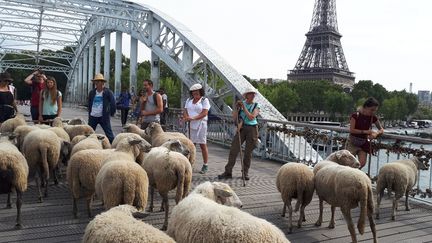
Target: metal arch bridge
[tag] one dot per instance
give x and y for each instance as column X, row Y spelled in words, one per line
column 73, row 28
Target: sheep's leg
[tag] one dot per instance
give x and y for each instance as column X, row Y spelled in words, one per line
column 165, row 203
column 18, row 206
column 75, row 208
column 8, row 202
column 151, row 199
column 332, row 220
column 162, row 208
column 284, row 210
column 89, row 202
column 290, row 210
column 38, row 186
column 394, row 208
column 319, row 221
column 372, row 223
column 302, row 216
column 407, row 207
column 379, row 196
column 46, row 186
column 347, row 215
column 55, row 177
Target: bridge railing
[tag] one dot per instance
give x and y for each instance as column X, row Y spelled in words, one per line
column 324, row 139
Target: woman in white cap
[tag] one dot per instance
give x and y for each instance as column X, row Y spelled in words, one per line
column 246, row 110
column 196, row 111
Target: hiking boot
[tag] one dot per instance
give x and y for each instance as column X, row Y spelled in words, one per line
column 204, row 169
column 225, row 175
column 246, row 177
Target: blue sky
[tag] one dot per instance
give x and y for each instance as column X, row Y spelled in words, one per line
column 387, row 41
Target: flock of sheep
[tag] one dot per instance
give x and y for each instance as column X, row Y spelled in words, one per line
column 122, row 173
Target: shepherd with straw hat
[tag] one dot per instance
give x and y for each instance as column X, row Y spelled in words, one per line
column 101, row 105
column 245, row 113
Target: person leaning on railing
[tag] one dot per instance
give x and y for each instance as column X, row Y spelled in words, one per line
column 361, row 132
column 245, row 114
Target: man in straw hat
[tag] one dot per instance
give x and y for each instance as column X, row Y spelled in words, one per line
column 101, row 105
column 246, row 110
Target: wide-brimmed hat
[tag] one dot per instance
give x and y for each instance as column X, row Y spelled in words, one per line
column 249, row 90
column 5, row 77
column 99, row 77
column 195, row 87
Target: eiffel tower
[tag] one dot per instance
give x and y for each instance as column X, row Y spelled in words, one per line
column 322, row 57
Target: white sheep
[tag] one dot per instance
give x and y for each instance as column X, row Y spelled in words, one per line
column 61, row 133
column 122, row 136
column 43, row 149
column 75, row 130
column 10, row 124
column 158, row 137
column 167, row 170
column 93, row 141
column 342, row 157
column 13, row 174
column 132, row 128
column 122, row 182
column 21, row 132
column 347, row 188
column 77, row 121
column 399, row 176
column 57, row 122
column 200, row 217
column 119, row 225
column 295, row 180
column 84, row 166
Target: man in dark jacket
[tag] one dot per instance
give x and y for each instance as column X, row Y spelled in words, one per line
column 101, row 105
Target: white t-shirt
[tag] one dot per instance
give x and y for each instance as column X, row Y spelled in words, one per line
column 165, row 98
column 195, row 109
column 97, row 106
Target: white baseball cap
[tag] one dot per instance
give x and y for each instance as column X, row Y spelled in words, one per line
column 195, row 87
column 249, row 90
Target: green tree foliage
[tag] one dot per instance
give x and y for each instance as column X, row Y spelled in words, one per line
column 423, row 112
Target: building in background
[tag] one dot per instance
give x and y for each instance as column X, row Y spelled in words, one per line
column 424, row 97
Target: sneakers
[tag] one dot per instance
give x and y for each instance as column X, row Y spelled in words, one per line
column 225, row 175
column 246, row 177
column 204, row 169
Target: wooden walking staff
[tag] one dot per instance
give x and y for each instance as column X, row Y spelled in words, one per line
column 240, row 147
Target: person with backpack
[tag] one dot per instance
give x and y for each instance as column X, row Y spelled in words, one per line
column 245, row 113
column 7, row 103
column 50, row 103
column 152, row 105
column 196, row 113
column 361, row 131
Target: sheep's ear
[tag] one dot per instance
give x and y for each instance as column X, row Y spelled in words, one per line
column 12, row 136
column 87, row 134
column 222, row 192
column 100, row 137
column 140, row 215
column 135, row 142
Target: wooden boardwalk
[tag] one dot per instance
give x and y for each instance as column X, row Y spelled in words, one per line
column 52, row 220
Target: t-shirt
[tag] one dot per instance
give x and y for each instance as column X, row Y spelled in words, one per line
column 250, row 108
column 165, row 98
column 48, row 107
column 97, row 106
column 35, row 96
column 196, row 109
column 363, row 123
column 6, row 109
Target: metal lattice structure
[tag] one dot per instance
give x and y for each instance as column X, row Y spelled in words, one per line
column 74, row 30
column 322, row 57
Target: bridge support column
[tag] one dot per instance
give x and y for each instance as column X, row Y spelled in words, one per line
column 107, row 58
column 74, row 86
column 84, row 75
column 98, row 55
column 187, row 62
column 91, row 66
column 133, row 65
column 118, row 64
column 155, row 70
column 80, row 80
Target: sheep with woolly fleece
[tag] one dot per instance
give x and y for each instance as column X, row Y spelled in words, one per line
column 21, row 132
column 93, row 141
column 13, row 174
column 57, row 122
column 10, row 124
column 43, row 149
column 122, row 181
column 84, row 166
column 132, row 128
column 158, row 137
column 119, row 225
column 75, row 130
column 399, row 176
column 295, row 180
column 342, row 157
column 200, row 217
column 167, row 170
column 122, row 136
column 347, row 188
column 61, row 133
column 77, row 121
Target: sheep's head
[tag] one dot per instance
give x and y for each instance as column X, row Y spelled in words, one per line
column 77, row 121
column 65, row 151
column 57, row 122
column 104, row 141
column 131, row 210
column 421, row 163
column 10, row 137
column 139, row 143
column 344, row 157
column 152, row 127
column 177, row 146
column 219, row 192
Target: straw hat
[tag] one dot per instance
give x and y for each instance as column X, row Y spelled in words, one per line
column 99, row 77
column 5, row 77
column 249, row 90
column 195, row 87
